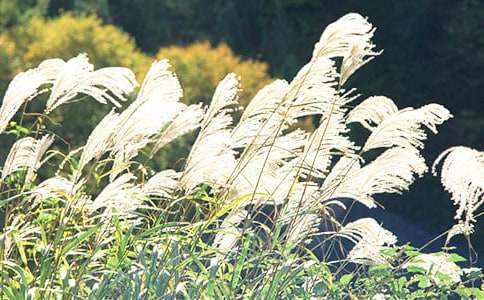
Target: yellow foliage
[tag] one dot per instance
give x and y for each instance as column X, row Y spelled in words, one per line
column 200, row 67
column 7, row 58
column 68, row 35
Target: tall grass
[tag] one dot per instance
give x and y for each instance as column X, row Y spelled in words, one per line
column 250, row 215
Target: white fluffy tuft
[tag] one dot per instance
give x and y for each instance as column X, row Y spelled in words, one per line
column 26, row 153
column 77, row 76
column 462, row 176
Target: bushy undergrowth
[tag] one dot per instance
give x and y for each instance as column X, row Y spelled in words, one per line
column 249, row 213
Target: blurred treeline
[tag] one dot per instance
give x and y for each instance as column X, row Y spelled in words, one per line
column 433, row 52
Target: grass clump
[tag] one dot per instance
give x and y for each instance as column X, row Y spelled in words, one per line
column 250, row 212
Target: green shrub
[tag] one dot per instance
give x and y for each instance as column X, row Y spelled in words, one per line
column 15, row 12
column 201, row 66
column 65, row 37
column 68, row 35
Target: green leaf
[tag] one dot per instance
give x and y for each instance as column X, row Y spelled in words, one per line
column 416, row 269
column 423, row 281
column 476, row 292
column 389, row 252
column 412, row 253
column 21, row 251
column 79, row 239
column 467, row 293
column 444, row 279
column 345, row 279
column 454, row 257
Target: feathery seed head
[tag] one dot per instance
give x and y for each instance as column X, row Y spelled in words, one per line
column 26, row 86
column 77, row 76
column 462, row 175
column 26, row 153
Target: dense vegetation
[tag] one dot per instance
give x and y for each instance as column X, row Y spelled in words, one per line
column 250, row 212
column 434, row 47
column 199, row 65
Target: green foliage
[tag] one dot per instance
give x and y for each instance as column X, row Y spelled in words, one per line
column 436, row 37
column 160, row 260
column 56, row 247
column 69, row 35
column 65, row 37
column 200, row 66
column 15, row 12
column 165, row 22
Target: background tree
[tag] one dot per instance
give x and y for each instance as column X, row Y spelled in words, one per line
column 200, row 67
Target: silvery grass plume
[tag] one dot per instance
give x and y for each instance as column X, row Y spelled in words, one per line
column 186, row 121
column 120, row 197
column 17, row 231
column 262, row 160
column 156, row 116
column 410, row 131
column 302, row 212
column 266, row 174
column 226, row 239
column 391, row 172
column 349, row 35
column 57, row 186
column 155, row 106
column 314, row 91
column 100, row 140
column 266, row 154
column 370, row 239
column 262, row 116
column 211, row 158
column 162, row 184
column 326, row 141
column 26, row 86
column 435, row 264
column 278, row 165
column 66, row 80
column 26, row 153
column 462, row 175
column 77, row 76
